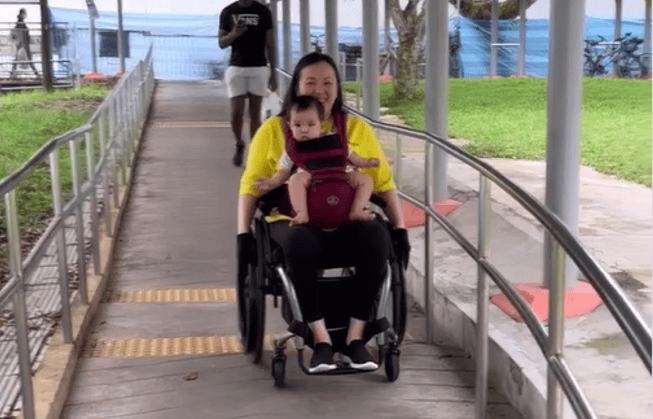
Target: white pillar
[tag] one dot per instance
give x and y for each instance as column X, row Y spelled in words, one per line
column 617, row 30
column 647, row 37
column 304, row 26
column 521, row 55
column 494, row 37
column 436, row 82
column 371, row 58
column 287, row 43
column 331, row 28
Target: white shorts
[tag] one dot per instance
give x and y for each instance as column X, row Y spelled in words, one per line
column 243, row 80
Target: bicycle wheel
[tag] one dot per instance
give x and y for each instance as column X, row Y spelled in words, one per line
column 645, row 63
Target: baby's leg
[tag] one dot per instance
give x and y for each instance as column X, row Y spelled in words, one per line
column 297, row 191
column 362, row 182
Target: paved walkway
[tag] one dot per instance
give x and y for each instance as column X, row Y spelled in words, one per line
column 178, row 234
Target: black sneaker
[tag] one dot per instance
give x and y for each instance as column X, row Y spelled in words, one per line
column 238, row 157
column 357, row 356
column 322, row 359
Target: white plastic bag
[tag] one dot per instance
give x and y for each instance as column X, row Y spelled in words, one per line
column 270, row 106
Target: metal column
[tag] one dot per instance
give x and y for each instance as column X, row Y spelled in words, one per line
column 617, row 30
column 46, row 63
column 287, row 45
column 371, row 58
column 331, row 28
column 92, row 42
column 386, row 23
column 564, row 118
column 436, row 83
column 435, row 104
column 647, row 36
column 305, row 26
column 274, row 9
column 121, row 47
column 521, row 54
column 562, row 161
column 494, row 37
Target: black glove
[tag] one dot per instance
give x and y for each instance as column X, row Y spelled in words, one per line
column 401, row 245
column 245, row 252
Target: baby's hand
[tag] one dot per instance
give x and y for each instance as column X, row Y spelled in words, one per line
column 264, row 185
column 373, row 162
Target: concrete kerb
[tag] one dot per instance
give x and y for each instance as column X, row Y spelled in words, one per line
column 517, row 365
column 54, row 376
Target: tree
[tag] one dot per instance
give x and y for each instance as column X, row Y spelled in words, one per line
column 408, row 22
column 475, row 9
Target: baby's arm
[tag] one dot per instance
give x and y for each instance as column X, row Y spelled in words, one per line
column 265, row 185
column 359, row 161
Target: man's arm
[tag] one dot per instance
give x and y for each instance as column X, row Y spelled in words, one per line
column 225, row 38
column 270, row 50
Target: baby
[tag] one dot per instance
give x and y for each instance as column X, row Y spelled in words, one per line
column 306, row 117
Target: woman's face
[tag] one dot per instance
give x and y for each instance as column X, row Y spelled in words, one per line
column 319, row 80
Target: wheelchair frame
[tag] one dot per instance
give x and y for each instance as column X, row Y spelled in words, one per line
column 267, row 275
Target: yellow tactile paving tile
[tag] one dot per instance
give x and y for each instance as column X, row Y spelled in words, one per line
column 221, row 295
column 174, row 346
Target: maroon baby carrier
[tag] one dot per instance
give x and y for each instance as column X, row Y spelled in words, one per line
column 330, row 196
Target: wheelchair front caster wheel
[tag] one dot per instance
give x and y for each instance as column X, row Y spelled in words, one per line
column 392, row 364
column 279, row 370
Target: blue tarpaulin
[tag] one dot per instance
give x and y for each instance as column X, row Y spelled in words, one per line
column 185, row 46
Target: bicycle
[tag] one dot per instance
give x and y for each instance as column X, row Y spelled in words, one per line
column 315, row 42
column 620, row 53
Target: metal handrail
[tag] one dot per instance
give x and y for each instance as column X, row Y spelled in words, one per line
column 119, row 122
column 606, row 287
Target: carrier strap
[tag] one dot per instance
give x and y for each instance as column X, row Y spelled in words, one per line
column 323, row 157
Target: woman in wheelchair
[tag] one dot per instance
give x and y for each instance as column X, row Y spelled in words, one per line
column 364, row 244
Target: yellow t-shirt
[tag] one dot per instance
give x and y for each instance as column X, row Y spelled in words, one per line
column 268, row 144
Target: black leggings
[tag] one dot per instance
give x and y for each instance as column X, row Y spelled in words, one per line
column 362, row 244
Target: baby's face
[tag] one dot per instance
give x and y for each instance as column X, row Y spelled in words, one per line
column 305, row 125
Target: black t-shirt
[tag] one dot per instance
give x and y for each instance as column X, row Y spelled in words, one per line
column 248, row 50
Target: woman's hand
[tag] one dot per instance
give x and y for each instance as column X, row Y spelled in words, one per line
column 264, row 185
column 401, row 245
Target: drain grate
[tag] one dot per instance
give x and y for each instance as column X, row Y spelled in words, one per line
column 192, row 124
column 222, row 295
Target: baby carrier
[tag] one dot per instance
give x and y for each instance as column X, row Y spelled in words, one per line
column 329, row 196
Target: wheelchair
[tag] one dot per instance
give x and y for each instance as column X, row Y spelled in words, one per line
column 266, row 275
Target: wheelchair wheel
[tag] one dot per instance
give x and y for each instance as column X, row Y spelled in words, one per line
column 399, row 305
column 279, row 370
column 256, row 294
column 392, row 363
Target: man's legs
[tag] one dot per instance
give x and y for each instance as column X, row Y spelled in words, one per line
column 254, row 113
column 237, row 114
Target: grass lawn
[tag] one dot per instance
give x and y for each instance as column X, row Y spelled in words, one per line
column 29, row 120
column 507, row 118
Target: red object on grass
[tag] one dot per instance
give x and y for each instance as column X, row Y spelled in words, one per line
column 579, row 300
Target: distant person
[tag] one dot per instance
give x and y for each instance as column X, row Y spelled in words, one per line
column 20, row 36
column 247, row 26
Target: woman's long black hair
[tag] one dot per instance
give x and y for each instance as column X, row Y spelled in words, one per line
column 307, row 60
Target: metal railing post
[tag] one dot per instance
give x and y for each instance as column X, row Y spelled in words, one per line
column 20, row 307
column 483, row 297
column 398, row 163
column 556, row 326
column 66, row 320
column 79, row 214
column 428, row 243
column 105, row 176
column 90, row 172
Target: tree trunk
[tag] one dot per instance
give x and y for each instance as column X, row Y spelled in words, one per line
column 408, row 23
column 475, row 9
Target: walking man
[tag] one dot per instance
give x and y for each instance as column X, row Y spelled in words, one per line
column 20, row 36
column 247, row 26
